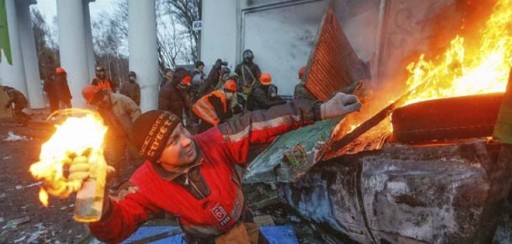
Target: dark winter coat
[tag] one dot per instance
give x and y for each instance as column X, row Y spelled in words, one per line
column 62, row 88
column 174, row 98
column 16, row 97
column 131, row 89
column 262, row 98
column 245, row 77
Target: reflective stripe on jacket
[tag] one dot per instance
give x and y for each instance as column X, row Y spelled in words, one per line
column 222, row 148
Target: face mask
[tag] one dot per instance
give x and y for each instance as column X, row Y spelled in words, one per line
column 229, row 95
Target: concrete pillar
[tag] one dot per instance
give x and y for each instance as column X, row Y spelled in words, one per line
column 143, row 50
column 13, row 74
column 91, row 59
column 28, row 50
column 73, row 48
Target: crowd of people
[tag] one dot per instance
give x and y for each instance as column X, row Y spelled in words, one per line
column 194, row 174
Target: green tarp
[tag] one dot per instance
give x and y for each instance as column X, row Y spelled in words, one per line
column 5, row 45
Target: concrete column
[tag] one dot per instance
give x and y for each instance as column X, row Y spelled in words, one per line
column 28, row 50
column 13, row 74
column 143, row 50
column 91, row 59
column 73, row 48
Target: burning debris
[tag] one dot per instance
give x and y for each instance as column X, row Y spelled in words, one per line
column 76, row 139
column 434, row 175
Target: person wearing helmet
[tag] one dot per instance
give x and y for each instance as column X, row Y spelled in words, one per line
column 174, row 95
column 248, row 73
column 118, row 112
column 102, row 81
column 131, row 88
column 62, row 88
column 264, row 95
column 215, row 107
column 301, row 92
column 195, row 177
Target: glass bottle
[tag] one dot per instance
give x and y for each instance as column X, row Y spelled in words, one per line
column 89, row 199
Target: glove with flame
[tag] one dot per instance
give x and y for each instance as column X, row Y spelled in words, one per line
column 339, row 105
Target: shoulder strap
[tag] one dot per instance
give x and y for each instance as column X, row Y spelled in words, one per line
column 250, row 72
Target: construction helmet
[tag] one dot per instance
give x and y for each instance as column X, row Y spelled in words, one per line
column 186, row 80
column 89, row 93
column 265, row 79
column 60, row 71
column 230, row 85
column 302, row 71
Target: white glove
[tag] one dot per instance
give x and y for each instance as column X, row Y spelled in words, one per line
column 339, row 105
column 80, row 167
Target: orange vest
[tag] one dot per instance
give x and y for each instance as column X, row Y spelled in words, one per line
column 205, row 110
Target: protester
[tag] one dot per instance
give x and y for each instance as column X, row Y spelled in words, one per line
column 174, row 95
column 195, row 177
column 62, row 88
column 248, row 72
column 51, row 91
column 264, row 95
column 20, row 103
column 118, row 112
column 131, row 88
column 102, row 81
column 198, row 81
column 300, row 91
column 168, row 77
column 215, row 107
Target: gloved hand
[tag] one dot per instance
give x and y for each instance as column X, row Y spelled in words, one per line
column 339, row 105
column 80, row 167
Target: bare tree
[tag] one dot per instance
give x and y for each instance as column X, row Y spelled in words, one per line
column 47, row 53
column 185, row 12
column 108, row 39
column 171, row 47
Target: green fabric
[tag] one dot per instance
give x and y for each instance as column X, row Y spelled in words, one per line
column 292, row 154
column 5, row 45
column 503, row 127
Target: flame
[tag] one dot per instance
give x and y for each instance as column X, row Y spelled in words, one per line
column 466, row 71
column 74, row 136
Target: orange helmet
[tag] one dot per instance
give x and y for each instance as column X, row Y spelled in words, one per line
column 89, row 92
column 265, row 79
column 302, row 71
column 60, row 70
column 186, row 80
column 230, row 85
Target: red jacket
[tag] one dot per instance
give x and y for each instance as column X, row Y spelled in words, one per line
column 221, row 148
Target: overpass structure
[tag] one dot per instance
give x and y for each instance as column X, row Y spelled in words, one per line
column 18, row 64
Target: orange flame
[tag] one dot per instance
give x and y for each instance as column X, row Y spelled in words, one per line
column 74, row 136
column 462, row 71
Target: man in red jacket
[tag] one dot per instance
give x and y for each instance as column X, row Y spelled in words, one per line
column 195, row 177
